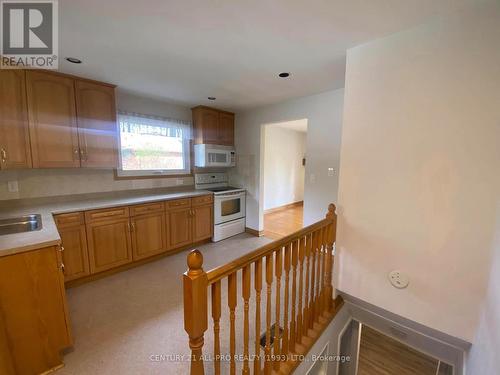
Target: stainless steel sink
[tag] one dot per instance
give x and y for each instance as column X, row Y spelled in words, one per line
column 21, row 224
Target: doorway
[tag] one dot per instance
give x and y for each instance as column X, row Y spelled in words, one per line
column 284, row 163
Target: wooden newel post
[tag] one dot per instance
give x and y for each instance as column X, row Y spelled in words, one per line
column 195, row 308
column 332, row 230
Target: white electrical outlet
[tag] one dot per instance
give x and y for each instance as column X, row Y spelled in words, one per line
column 399, row 279
column 12, row 186
column 179, row 181
column 312, row 178
column 331, row 172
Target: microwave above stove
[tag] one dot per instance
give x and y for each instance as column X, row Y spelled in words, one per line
column 206, row 155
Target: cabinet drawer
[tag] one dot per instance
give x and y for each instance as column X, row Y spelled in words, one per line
column 179, row 203
column 110, row 213
column 197, row 201
column 146, row 208
column 69, row 220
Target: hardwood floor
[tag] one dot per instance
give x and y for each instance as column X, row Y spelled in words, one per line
column 382, row 355
column 282, row 222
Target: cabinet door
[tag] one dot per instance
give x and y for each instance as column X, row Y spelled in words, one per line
column 203, row 222
column 109, row 244
column 14, row 134
column 179, row 227
column 226, row 128
column 52, row 120
column 148, row 235
column 33, row 309
column 75, row 255
column 97, row 129
column 206, row 124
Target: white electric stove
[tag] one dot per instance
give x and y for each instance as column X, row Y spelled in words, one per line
column 229, row 204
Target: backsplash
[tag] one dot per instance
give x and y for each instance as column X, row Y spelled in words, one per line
column 37, row 183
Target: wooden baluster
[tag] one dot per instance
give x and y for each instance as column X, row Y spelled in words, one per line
column 288, row 251
column 216, row 312
column 305, row 325
column 258, row 289
column 231, row 301
column 293, row 327
column 317, row 311
column 278, row 270
column 245, row 285
column 324, row 234
column 302, row 249
column 269, row 281
column 329, row 264
column 195, row 308
column 312, row 310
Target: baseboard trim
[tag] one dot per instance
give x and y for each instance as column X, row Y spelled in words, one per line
column 284, row 207
column 254, row 232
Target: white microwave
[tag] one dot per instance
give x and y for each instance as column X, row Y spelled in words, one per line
column 206, row 155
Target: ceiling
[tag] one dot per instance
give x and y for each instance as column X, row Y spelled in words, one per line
column 184, row 51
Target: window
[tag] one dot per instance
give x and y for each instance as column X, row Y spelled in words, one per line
column 151, row 146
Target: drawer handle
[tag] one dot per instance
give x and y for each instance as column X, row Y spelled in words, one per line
column 63, row 269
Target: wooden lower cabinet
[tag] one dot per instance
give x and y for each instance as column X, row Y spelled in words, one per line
column 99, row 240
column 109, row 244
column 33, row 312
column 202, row 225
column 75, row 253
column 148, row 235
column 179, row 227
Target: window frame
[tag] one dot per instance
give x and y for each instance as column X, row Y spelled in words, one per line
column 155, row 173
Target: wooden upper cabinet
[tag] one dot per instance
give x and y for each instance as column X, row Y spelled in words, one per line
column 213, row 126
column 205, row 124
column 97, row 129
column 52, row 120
column 14, row 134
column 226, row 128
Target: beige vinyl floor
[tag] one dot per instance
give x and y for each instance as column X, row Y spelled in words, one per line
column 124, row 323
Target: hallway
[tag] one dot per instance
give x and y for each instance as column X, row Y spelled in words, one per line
column 283, row 221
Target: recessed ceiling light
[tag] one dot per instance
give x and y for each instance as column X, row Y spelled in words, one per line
column 284, row 75
column 73, row 60
column 211, row 98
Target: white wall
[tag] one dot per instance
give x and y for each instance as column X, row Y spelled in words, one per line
column 283, row 170
column 50, row 182
column 324, row 118
column 420, row 169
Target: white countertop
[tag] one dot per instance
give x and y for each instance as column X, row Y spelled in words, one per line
column 47, row 207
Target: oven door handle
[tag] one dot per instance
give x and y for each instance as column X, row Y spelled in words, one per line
column 231, row 195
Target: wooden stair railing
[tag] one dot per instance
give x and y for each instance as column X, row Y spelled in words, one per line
column 305, row 258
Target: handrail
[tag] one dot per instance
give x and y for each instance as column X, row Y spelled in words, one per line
column 218, row 273
column 305, row 261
